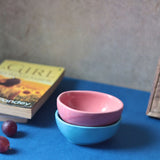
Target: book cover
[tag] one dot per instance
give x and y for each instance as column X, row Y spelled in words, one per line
column 24, row 87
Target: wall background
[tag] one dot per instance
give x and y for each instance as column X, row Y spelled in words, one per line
column 108, row 41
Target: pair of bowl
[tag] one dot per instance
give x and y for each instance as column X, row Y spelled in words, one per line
column 87, row 117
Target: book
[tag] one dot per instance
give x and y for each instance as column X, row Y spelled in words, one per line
column 24, row 87
column 4, row 117
column 153, row 109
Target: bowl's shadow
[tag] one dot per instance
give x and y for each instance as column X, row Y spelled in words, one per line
column 128, row 136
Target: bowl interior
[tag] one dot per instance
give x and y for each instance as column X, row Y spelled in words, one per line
column 90, row 101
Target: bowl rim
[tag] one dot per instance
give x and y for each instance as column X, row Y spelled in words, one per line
column 89, row 91
column 57, row 117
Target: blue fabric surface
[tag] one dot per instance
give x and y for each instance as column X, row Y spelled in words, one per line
column 137, row 138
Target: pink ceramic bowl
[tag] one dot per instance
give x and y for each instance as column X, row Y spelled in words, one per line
column 89, row 108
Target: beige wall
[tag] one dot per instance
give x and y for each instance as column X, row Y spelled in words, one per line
column 108, row 41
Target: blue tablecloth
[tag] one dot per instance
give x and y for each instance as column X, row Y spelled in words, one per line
column 137, row 138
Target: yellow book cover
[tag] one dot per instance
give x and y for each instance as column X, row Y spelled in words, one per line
column 24, row 87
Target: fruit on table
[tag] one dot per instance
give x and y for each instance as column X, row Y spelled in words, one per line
column 9, row 127
column 4, row 144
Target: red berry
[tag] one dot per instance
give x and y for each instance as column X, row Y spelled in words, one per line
column 9, row 128
column 4, row 144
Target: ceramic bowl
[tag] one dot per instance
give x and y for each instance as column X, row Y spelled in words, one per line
column 89, row 108
column 83, row 135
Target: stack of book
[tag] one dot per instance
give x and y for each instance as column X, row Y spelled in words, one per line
column 24, row 87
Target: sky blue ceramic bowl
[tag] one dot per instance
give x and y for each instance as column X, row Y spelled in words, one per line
column 83, row 135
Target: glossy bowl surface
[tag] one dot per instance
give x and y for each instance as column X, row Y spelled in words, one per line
column 83, row 135
column 89, row 108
